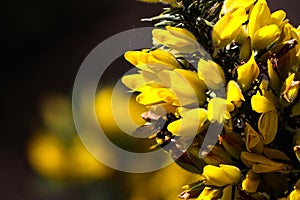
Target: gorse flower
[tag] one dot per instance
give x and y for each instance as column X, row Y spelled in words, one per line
column 175, row 38
column 231, row 64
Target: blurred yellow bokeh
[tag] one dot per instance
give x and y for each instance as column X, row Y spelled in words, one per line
column 56, row 153
column 116, row 113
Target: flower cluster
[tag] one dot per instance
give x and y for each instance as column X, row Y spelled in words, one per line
column 233, row 64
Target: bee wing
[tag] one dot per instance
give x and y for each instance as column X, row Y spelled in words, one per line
column 145, row 131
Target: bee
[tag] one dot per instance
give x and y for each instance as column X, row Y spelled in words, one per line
column 156, row 128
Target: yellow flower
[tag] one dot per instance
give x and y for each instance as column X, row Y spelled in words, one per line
column 175, row 38
column 230, row 5
column 247, row 73
column 234, row 93
column 185, row 84
column 253, row 140
column 211, row 73
column 268, row 121
column 152, row 61
column 160, row 81
column 227, row 28
column 263, row 104
column 260, row 27
column 191, row 122
column 222, row 175
column 260, row 163
column 218, row 110
column 251, row 182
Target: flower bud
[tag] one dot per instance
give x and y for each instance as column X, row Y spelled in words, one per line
column 221, row 176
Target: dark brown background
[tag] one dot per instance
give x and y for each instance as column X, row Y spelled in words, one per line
column 43, row 43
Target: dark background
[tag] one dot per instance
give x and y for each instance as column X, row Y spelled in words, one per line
column 43, row 43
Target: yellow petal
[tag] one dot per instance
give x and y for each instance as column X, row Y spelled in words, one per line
column 278, row 16
column 190, row 123
column 175, row 38
column 185, row 84
column 234, row 93
column 232, row 172
column 211, row 73
column 295, row 195
column 149, row 95
column 260, row 16
column 230, row 5
column 267, row 125
column 165, row 57
column 221, row 176
column 218, row 110
column 247, row 73
column 152, row 61
column 181, row 33
column 245, row 52
column 227, row 28
column 133, row 81
column 253, row 140
column 265, row 36
column 216, row 176
column 262, row 104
